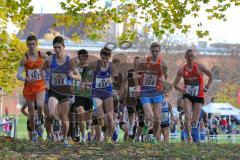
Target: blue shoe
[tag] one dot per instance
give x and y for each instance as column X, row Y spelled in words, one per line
column 65, row 143
column 115, row 136
column 34, row 137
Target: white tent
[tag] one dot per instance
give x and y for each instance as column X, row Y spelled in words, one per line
column 221, row 109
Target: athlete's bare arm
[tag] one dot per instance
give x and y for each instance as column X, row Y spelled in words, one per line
column 74, row 74
column 43, row 55
column 181, row 120
column 205, row 119
column 47, row 62
column 165, row 70
column 21, row 69
column 93, row 65
column 114, row 70
column 171, row 113
column 45, row 66
column 208, row 73
column 177, row 80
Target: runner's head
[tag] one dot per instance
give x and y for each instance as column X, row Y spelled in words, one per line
column 83, row 56
column 116, row 61
column 189, row 55
column 49, row 53
column 136, row 61
column 32, row 43
column 105, row 55
column 58, row 44
column 155, row 49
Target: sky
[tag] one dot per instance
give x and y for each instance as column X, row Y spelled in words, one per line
column 227, row 32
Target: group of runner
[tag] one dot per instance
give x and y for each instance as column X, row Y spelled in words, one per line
column 102, row 94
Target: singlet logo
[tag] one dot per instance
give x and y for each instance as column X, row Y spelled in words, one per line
column 34, row 74
column 59, row 79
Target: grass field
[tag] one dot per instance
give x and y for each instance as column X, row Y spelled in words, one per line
column 22, row 149
column 22, row 133
column 22, row 127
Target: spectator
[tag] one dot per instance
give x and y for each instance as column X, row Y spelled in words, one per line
column 224, row 124
column 229, row 128
column 214, row 132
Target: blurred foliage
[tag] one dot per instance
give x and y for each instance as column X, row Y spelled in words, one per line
column 160, row 16
column 12, row 12
column 228, row 94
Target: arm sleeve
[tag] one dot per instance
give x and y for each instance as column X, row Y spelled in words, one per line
column 19, row 73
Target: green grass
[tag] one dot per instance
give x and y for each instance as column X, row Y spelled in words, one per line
column 22, row 133
column 23, row 149
column 22, row 127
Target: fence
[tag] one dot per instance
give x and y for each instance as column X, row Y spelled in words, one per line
column 9, row 128
column 221, row 138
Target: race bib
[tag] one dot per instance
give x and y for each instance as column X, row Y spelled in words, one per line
column 115, row 93
column 59, row 79
column 77, row 84
column 192, row 90
column 102, row 82
column 34, row 74
column 165, row 117
column 80, row 70
column 133, row 92
column 149, row 80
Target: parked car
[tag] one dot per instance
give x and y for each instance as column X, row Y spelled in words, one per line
column 235, row 118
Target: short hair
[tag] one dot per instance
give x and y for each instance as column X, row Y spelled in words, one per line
column 155, row 44
column 49, row 53
column 106, row 52
column 188, row 51
column 116, row 60
column 31, row 38
column 137, row 57
column 83, row 52
column 58, row 39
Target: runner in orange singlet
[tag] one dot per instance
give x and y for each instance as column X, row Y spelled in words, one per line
column 193, row 91
column 34, row 88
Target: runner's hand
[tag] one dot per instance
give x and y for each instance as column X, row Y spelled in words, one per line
column 205, row 89
column 47, row 85
column 70, row 74
column 183, row 91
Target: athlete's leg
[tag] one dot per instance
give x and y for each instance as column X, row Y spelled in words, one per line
column 166, row 134
column 32, row 116
column 80, row 120
column 147, row 107
column 64, row 107
column 187, row 107
column 40, row 103
column 157, row 108
column 52, row 112
column 108, row 105
column 196, row 112
column 97, row 117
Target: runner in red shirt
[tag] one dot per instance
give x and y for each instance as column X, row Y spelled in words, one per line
column 193, row 91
